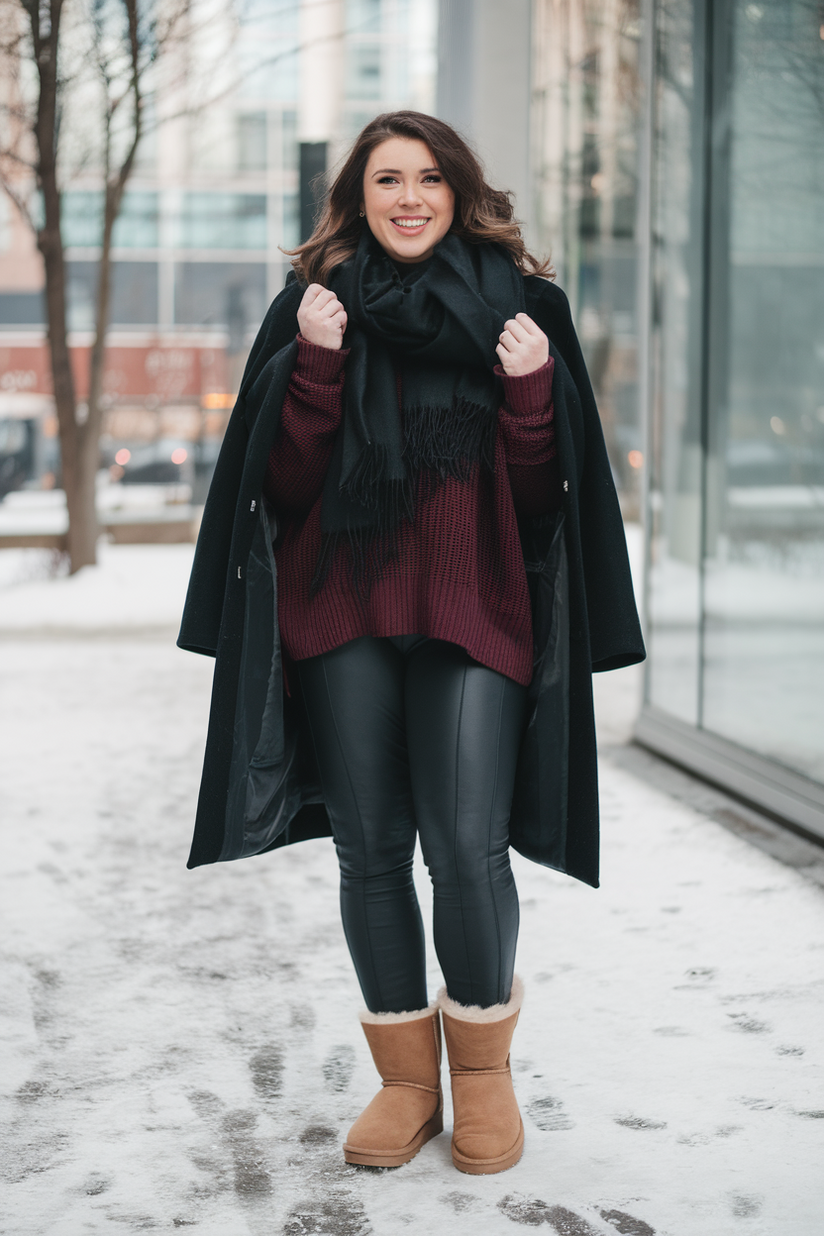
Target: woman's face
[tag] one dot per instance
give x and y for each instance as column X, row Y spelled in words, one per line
column 408, row 205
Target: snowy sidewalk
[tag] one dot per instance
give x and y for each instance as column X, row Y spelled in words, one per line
column 181, row 1049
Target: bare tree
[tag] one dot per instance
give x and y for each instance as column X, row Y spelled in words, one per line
column 75, row 80
column 104, row 51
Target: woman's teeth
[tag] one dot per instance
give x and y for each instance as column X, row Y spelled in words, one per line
column 409, row 223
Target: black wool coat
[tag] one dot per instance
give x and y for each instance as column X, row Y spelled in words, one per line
column 260, row 789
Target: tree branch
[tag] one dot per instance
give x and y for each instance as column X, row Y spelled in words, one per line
column 18, row 201
column 14, row 157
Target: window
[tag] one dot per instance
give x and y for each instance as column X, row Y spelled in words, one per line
column 364, row 65
column 363, row 16
column 222, row 221
column 251, row 142
column 586, row 122
column 226, row 294
column 136, row 226
column 134, row 293
column 736, row 606
column 763, row 672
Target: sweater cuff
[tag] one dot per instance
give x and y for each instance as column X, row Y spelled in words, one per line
column 529, row 393
column 323, row 366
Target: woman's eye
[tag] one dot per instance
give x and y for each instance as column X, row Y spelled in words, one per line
column 393, row 180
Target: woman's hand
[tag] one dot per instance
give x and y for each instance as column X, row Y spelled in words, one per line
column 321, row 317
column 523, row 346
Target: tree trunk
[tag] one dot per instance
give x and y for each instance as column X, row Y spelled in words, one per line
column 78, row 477
column 82, row 507
column 81, row 548
column 79, row 441
column 90, row 430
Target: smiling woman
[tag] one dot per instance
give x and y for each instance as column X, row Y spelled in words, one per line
column 435, row 552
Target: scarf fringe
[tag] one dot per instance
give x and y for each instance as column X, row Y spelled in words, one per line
column 372, row 545
column 439, row 443
column 370, row 485
column 449, row 441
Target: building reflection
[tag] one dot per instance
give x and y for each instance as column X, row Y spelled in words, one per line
column 736, row 480
column 587, row 111
column 677, row 176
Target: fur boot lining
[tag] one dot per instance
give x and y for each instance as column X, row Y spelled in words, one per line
column 473, row 1012
column 394, row 1019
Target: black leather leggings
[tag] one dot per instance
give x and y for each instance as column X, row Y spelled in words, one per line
column 414, row 737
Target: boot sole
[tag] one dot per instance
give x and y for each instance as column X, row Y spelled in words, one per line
column 488, row 1167
column 395, row 1158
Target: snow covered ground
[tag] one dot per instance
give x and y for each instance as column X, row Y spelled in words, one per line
column 137, row 590
column 181, row 1049
column 39, row 510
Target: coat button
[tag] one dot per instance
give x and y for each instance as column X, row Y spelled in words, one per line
column 566, row 487
column 240, row 573
column 254, row 505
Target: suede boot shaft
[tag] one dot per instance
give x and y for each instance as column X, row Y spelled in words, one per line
column 488, row 1133
column 408, row 1109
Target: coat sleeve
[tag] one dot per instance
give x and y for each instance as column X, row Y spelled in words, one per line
column 614, row 628
column 203, row 610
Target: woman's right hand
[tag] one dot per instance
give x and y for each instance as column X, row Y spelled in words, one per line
column 321, row 317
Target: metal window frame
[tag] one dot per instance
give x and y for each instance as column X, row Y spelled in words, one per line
column 762, row 783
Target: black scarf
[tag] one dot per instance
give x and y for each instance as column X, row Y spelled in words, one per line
column 438, row 323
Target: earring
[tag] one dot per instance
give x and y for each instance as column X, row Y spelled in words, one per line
column 362, row 214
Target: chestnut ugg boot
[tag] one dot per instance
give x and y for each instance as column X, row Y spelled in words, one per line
column 488, row 1133
column 408, row 1110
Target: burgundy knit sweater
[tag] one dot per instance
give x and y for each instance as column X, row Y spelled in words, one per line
column 449, row 580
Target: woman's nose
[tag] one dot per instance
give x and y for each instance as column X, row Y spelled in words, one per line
column 410, row 195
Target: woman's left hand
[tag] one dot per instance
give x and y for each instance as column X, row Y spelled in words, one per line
column 523, row 346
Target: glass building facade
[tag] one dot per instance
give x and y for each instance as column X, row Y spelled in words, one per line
column 678, row 179
column 586, row 148
column 735, row 400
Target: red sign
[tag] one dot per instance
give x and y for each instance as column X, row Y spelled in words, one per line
column 162, row 372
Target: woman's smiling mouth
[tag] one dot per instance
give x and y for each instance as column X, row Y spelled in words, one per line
column 411, row 225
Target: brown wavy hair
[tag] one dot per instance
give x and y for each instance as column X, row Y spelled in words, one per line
column 482, row 214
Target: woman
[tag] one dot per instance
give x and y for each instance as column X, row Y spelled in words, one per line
column 436, row 564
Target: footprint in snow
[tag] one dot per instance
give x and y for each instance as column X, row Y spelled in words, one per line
column 640, row 1122
column 267, row 1071
column 337, row 1216
column 548, row 1114
column 532, row 1212
column 338, row 1068
column 626, row 1224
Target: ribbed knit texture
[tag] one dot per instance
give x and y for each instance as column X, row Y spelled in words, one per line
column 450, row 580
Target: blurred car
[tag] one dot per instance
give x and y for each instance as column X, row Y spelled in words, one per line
column 168, row 461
